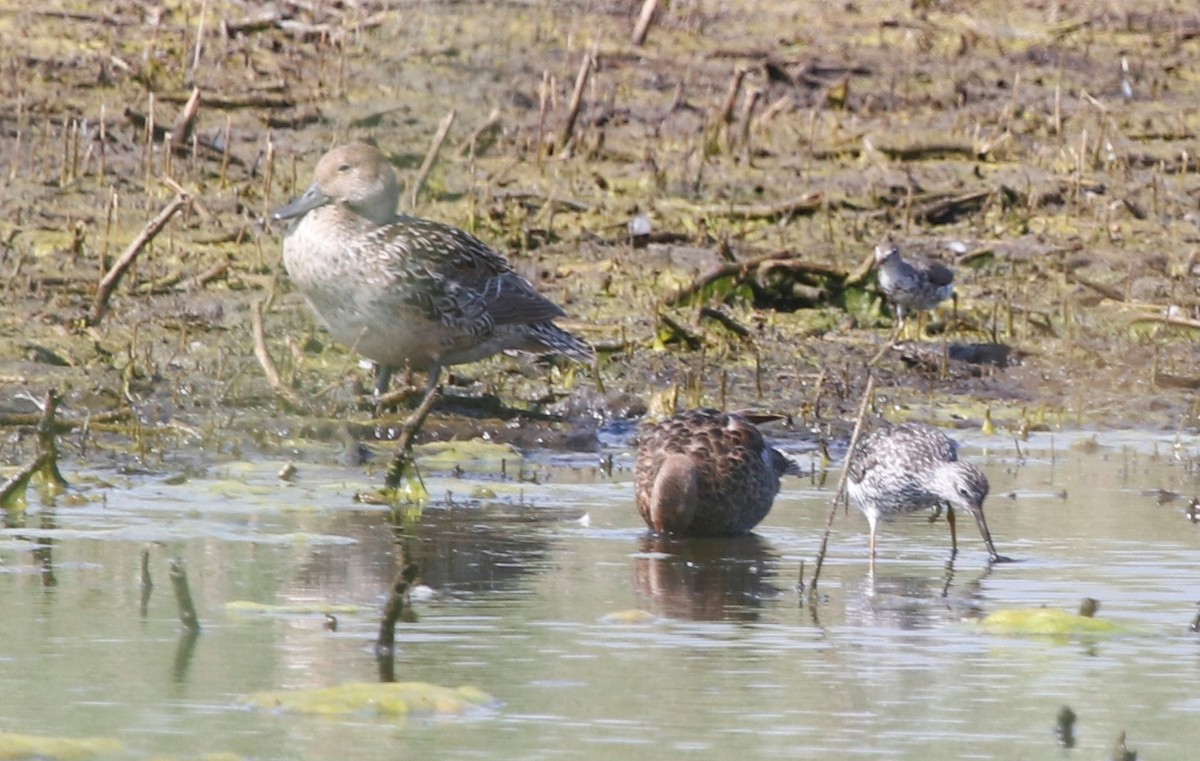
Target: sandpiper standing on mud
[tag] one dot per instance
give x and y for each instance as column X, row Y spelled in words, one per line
column 706, row 473
column 913, row 284
column 913, row 466
column 404, row 291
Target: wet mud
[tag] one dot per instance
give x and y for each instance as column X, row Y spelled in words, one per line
column 705, row 216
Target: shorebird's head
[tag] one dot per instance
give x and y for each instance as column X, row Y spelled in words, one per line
column 356, row 176
column 886, row 251
column 962, row 485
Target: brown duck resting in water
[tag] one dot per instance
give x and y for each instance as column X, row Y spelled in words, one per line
column 706, row 473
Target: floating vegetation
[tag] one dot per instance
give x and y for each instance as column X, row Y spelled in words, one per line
column 248, row 607
column 630, row 617
column 17, row 746
column 1046, row 622
column 395, row 699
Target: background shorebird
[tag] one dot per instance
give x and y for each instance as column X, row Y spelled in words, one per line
column 911, row 284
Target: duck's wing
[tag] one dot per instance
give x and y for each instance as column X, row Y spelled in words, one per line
column 482, row 281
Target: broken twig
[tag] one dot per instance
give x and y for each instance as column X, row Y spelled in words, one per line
column 431, row 157
column 113, row 277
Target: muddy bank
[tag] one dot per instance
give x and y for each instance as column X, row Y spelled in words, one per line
column 1048, row 154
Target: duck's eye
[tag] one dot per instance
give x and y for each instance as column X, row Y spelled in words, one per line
column 344, row 168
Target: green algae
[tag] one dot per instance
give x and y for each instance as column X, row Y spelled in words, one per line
column 632, row 617
column 249, row 607
column 17, row 746
column 1047, row 622
column 386, row 700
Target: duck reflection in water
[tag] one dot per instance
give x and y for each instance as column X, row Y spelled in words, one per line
column 706, row 579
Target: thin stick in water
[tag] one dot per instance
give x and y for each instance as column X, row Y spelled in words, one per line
column 841, row 484
column 411, row 428
column 183, row 596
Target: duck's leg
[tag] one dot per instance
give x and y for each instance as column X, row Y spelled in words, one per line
column 383, row 379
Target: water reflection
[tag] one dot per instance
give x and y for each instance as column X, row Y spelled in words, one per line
column 908, row 602
column 42, row 549
column 458, row 550
column 706, row 579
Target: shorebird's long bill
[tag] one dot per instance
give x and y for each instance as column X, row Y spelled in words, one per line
column 312, row 198
column 987, row 535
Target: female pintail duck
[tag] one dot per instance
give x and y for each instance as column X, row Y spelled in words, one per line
column 404, row 291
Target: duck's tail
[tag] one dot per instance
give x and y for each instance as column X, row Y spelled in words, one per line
column 557, row 340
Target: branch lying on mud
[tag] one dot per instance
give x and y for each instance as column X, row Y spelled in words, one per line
column 643, row 23
column 113, row 277
column 1107, row 292
column 752, row 267
column 1177, row 322
column 46, row 461
column 949, row 210
column 725, row 320
column 60, row 425
column 289, row 397
column 809, row 203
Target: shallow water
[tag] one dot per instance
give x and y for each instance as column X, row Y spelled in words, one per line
column 525, row 588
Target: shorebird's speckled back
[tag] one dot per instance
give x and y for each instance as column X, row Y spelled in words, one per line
column 733, row 473
column 913, row 466
column 912, row 283
column 405, row 291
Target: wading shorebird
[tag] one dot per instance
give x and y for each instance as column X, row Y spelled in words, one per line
column 404, row 291
column 706, row 473
column 903, row 468
column 911, row 284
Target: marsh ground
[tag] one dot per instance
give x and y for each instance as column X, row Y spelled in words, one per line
column 1048, row 149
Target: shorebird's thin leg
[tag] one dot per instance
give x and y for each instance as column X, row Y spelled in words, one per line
column 937, row 513
column 873, row 523
column 953, row 531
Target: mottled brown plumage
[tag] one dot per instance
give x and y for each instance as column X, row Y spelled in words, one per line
column 706, row 473
column 405, row 291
